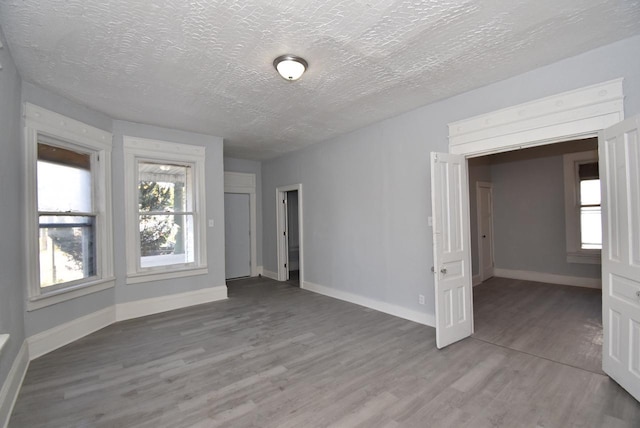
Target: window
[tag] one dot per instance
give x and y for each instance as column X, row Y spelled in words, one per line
column 583, row 218
column 165, row 210
column 66, row 218
column 68, row 208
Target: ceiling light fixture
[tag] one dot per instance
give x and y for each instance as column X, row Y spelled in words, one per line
column 290, row 67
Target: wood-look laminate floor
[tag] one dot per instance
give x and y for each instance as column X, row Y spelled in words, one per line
column 557, row 322
column 274, row 355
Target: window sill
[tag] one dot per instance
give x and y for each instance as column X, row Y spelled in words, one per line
column 137, row 278
column 4, row 338
column 62, row 295
column 584, row 258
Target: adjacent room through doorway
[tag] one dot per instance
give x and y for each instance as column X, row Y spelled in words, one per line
column 536, row 237
column 293, row 238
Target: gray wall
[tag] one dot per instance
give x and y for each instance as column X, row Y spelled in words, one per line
column 374, row 240
column 529, row 217
column 11, row 237
column 241, row 165
column 479, row 170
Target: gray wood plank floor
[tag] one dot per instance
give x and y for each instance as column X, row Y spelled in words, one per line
column 557, row 322
column 274, row 355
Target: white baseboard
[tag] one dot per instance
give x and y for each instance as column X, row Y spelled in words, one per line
column 260, row 270
column 12, row 384
column 550, row 278
column 269, row 274
column 63, row 334
column 476, row 280
column 387, row 308
column 154, row 305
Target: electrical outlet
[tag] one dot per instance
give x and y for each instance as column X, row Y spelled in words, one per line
column 421, row 299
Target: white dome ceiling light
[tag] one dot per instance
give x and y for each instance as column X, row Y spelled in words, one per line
column 290, row 67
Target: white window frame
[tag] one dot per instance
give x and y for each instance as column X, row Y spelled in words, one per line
column 575, row 252
column 73, row 135
column 146, row 150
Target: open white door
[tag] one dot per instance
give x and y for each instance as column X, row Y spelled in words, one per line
column 451, row 248
column 620, row 180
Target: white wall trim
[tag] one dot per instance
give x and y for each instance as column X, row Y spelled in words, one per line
column 12, row 384
column 58, row 125
column 260, row 270
column 245, row 183
column 578, row 113
column 154, row 305
column 387, row 308
column 476, row 280
column 270, row 274
column 550, row 278
column 63, row 334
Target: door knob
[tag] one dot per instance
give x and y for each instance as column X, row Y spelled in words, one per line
column 443, row 271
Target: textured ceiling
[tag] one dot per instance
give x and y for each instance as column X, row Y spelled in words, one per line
column 206, row 65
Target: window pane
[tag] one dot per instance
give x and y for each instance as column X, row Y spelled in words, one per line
column 166, row 240
column 64, row 180
column 590, row 192
column 164, row 187
column 67, row 249
column 591, row 228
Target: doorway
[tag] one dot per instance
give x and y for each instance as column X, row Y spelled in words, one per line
column 539, row 301
column 293, row 242
column 577, row 114
column 289, row 230
column 237, row 232
column 240, row 192
column 484, row 204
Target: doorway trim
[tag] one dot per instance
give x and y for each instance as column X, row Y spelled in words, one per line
column 280, row 229
column 244, row 182
column 572, row 115
column 481, row 255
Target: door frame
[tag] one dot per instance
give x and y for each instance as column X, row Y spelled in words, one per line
column 573, row 115
column 488, row 185
column 245, row 183
column 281, row 215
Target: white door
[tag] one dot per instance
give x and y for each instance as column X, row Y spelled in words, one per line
column 451, row 248
column 485, row 229
column 237, row 232
column 620, row 182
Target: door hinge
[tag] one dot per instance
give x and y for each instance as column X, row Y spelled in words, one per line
column 285, row 265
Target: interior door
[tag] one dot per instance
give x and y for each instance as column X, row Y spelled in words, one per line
column 237, row 231
column 620, row 183
column 485, row 228
column 451, row 248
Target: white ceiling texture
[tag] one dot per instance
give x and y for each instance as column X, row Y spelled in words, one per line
column 206, row 65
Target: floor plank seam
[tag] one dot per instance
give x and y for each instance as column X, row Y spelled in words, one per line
column 538, row 356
